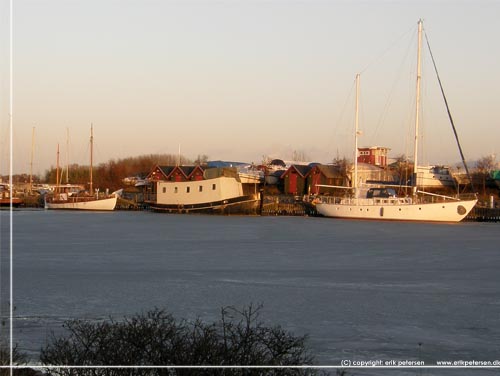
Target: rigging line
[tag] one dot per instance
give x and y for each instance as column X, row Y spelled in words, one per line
column 342, row 113
column 390, row 95
column 391, row 46
column 449, row 114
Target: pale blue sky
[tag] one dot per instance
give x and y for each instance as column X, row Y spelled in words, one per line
column 237, row 80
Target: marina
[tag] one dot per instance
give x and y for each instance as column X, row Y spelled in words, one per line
column 313, row 162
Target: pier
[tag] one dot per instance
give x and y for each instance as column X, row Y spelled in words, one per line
column 126, row 204
column 286, row 205
column 480, row 214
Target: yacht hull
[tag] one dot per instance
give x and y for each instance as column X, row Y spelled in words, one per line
column 105, row 204
column 426, row 212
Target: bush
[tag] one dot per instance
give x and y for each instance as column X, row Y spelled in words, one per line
column 157, row 338
column 18, row 358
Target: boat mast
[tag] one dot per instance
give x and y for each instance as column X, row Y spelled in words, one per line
column 31, row 161
column 57, row 170
column 91, row 156
column 67, row 155
column 356, row 134
column 417, row 109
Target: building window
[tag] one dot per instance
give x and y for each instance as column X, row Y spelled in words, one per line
column 164, row 189
column 200, row 188
column 188, row 189
column 176, row 189
column 214, row 186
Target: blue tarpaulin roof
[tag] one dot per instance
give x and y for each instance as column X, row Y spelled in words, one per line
column 220, row 164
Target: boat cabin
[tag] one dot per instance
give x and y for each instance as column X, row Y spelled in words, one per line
column 380, row 193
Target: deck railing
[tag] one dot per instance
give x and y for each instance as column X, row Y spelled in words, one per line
column 420, row 199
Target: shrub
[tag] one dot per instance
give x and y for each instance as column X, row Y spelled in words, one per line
column 156, row 338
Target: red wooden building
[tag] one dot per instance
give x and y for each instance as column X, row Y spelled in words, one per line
column 176, row 173
column 375, row 155
column 295, row 179
column 324, row 175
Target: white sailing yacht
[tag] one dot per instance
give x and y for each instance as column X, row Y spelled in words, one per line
column 94, row 201
column 382, row 203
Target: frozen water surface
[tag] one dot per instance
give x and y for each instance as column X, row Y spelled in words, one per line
column 361, row 290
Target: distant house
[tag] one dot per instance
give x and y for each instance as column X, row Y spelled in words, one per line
column 338, row 176
column 295, row 179
column 369, row 173
column 176, row 173
column 160, row 173
column 375, row 155
column 194, row 173
column 324, row 175
column 186, row 173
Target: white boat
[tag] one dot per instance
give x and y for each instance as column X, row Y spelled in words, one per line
column 64, row 200
column 220, row 192
column 381, row 203
column 250, row 175
column 435, row 177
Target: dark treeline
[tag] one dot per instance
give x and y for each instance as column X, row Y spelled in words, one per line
column 110, row 174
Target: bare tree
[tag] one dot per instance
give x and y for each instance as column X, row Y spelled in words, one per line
column 403, row 170
column 201, row 159
column 484, row 166
column 238, row 338
column 18, row 358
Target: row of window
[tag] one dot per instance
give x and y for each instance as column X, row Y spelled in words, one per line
column 188, row 189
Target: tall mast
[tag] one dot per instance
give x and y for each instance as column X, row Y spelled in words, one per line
column 356, row 134
column 57, row 170
column 31, row 161
column 67, row 155
column 91, row 156
column 417, row 108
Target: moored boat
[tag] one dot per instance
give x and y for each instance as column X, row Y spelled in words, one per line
column 382, row 203
column 80, row 202
column 62, row 199
column 221, row 191
column 435, row 177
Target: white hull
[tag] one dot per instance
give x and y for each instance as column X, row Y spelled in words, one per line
column 397, row 210
column 212, row 194
column 434, row 177
column 250, row 178
column 105, row 204
column 198, row 192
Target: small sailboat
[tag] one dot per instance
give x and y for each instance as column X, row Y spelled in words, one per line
column 64, row 200
column 383, row 203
